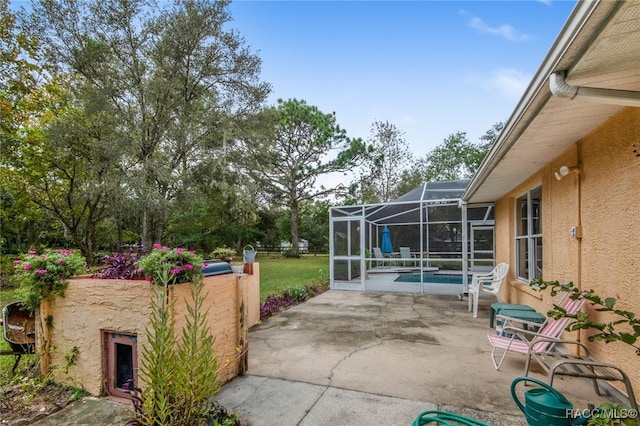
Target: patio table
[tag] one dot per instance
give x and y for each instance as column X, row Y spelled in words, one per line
column 496, row 308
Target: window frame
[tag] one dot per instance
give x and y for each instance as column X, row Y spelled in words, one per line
column 533, row 239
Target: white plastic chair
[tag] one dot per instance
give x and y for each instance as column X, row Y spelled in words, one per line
column 489, row 282
column 378, row 255
column 405, row 254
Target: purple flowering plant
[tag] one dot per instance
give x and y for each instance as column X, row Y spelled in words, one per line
column 44, row 275
column 180, row 264
column 121, row 266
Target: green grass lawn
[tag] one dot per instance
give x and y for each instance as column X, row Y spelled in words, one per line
column 280, row 274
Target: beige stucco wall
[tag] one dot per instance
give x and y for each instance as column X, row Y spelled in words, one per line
column 91, row 307
column 604, row 202
column 253, row 289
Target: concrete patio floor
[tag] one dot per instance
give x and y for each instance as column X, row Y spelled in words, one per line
column 356, row 359
column 353, row 358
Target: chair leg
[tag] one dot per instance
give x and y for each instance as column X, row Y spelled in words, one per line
column 595, row 381
column 475, row 304
column 527, row 365
column 497, row 365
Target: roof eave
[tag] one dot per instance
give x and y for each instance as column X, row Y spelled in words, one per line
column 565, row 52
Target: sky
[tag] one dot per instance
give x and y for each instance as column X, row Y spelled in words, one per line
column 431, row 68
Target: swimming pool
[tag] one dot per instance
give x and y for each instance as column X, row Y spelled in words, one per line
column 431, row 278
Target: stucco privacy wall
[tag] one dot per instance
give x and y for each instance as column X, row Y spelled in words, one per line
column 604, row 202
column 91, row 307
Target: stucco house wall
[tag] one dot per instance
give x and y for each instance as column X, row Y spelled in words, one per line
column 603, row 202
column 91, row 307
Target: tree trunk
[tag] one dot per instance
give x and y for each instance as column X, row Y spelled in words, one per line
column 158, row 227
column 120, row 243
column 295, row 239
column 146, row 240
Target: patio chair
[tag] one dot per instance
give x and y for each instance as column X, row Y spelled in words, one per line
column 405, row 253
column 377, row 253
column 560, row 363
column 535, row 344
column 486, row 282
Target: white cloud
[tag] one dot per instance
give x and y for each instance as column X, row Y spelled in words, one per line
column 407, row 119
column 504, row 30
column 510, row 82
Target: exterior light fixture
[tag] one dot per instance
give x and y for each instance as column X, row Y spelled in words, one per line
column 565, row 170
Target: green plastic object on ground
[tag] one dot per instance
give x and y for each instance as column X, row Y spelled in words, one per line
column 543, row 406
column 445, row 418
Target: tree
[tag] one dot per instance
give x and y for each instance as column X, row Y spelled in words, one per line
column 486, row 142
column 381, row 174
column 74, row 165
column 23, row 88
column 314, row 224
column 287, row 161
column 174, row 76
column 450, row 160
column 456, row 158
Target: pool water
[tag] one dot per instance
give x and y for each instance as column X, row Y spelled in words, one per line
column 431, row 278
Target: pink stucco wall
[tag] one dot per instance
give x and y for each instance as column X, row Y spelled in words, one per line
column 91, row 306
column 603, row 201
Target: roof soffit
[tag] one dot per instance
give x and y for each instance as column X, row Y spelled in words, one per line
column 547, row 125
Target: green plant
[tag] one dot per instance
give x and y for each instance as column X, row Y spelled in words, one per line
column 196, row 375
column 182, row 265
column 224, row 253
column 217, row 415
column 76, row 393
column 609, row 414
column 7, row 271
column 291, row 254
column 71, row 357
column 624, row 328
column 180, row 374
column 298, row 294
column 275, row 303
column 43, row 276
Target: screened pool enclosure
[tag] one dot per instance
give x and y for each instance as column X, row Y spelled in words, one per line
column 426, row 241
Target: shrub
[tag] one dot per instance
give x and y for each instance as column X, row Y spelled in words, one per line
column 7, row 270
column 121, row 266
column 42, row 276
column 180, row 373
column 291, row 254
column 299, row 294
column 316, row 289
column 183, row 265
column 224, row 253
column 275, row 303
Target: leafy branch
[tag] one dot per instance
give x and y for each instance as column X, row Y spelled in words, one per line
column 624, row 328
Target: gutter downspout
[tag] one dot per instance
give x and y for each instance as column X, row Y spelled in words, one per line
column 559, row 87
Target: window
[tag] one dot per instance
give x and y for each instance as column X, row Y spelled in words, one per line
column 121, row 362
column 529, row 235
